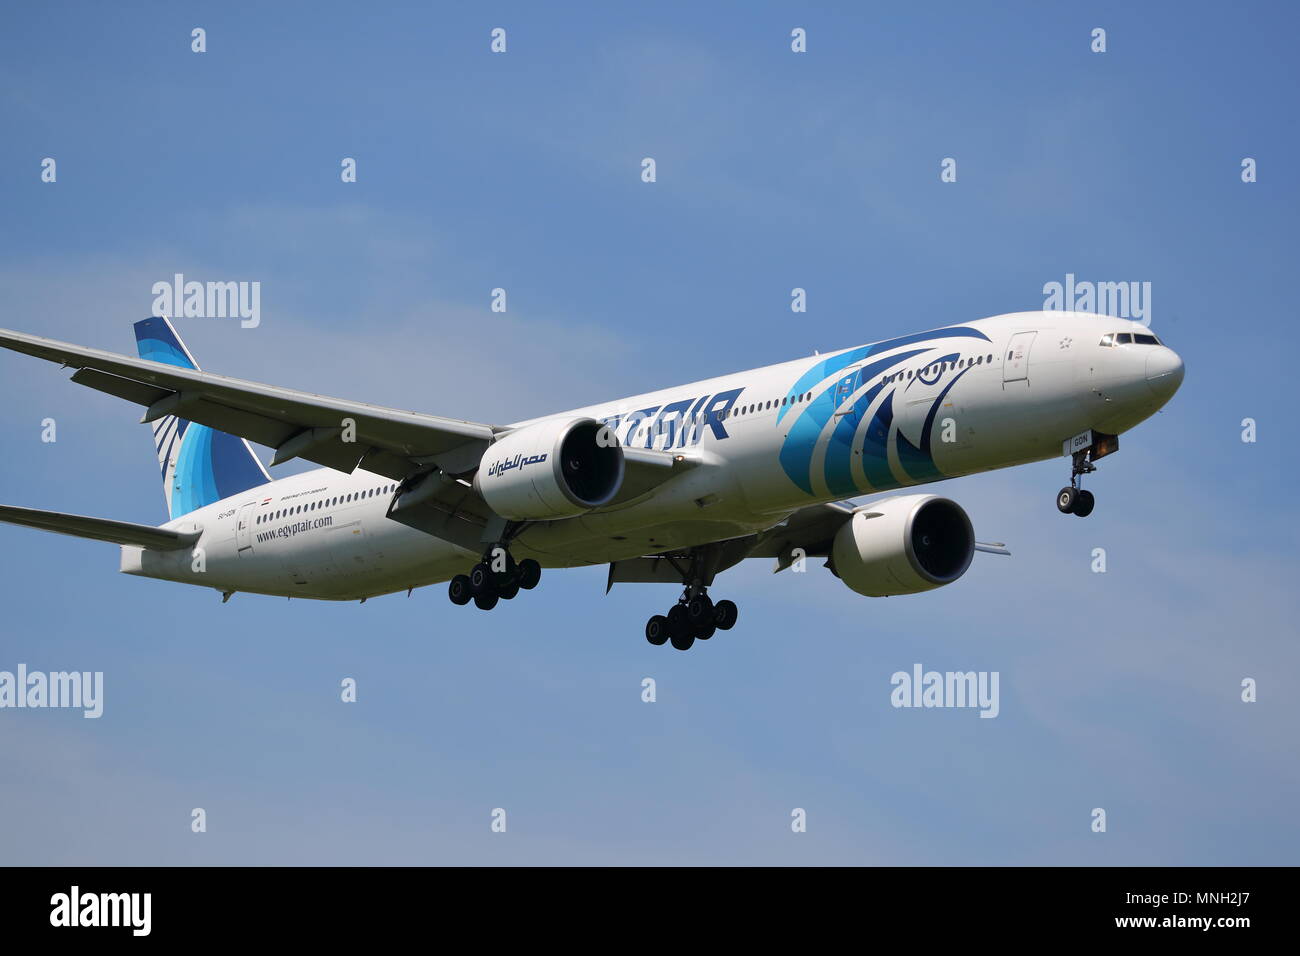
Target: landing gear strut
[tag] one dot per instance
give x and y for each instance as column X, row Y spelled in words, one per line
column 496, row 578
column 1074, row 500
column 693, row 618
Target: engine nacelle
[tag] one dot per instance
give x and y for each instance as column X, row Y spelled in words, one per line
column 903, row 545
column 551, row 469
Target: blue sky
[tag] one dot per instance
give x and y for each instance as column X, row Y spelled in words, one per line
column 775, row 170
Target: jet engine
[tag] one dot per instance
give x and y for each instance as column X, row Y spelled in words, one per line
column 903, row 545
column 551, row 469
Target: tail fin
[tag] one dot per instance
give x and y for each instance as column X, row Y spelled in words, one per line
column 199, row 464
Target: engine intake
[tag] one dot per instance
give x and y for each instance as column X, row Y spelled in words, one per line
column 551, row 469
column 903, row 545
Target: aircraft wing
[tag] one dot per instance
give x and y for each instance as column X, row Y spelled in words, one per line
column 406, row 446
column 100, row 529
column 296, row 424
column 811, row 529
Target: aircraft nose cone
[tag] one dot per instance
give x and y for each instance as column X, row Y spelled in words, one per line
column 1164, row 371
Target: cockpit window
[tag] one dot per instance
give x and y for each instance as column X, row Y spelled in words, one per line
column 1108, row 339
column 1124, row 338
column 1141, row 339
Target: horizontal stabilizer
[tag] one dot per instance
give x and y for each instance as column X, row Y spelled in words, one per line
column 100, row 529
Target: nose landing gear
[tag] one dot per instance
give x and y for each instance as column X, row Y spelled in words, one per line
column 1074, row 500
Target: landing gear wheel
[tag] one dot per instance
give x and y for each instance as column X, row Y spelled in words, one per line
column 699, row 612
column 704, row 633
column 504, row 577
column 480, row 579
column 485, row 601
column 681, row 641
column 1084, row 503
column 1065, row 500
column 724, row 615
column 459, row 590
column 677, row 622
column 508, row 591
column 530, row 572
column 656, row 630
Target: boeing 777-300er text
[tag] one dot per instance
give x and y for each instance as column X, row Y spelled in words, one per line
column 673, row 486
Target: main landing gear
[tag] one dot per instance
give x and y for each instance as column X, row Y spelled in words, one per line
column 1074, row 500
column 694, row 617
column 496, row 578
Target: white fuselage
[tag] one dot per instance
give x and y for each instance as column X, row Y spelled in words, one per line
column 998, row 392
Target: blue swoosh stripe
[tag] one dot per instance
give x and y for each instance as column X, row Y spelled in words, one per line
column 797, row 451
column 835, row 363
column 838, row 464
column 839, row 450
column 875, row 446
column 918, row 463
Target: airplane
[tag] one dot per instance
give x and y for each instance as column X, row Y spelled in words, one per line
column 673, row 486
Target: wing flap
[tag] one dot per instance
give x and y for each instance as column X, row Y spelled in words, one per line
column 99, row 529
column 119, row 387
